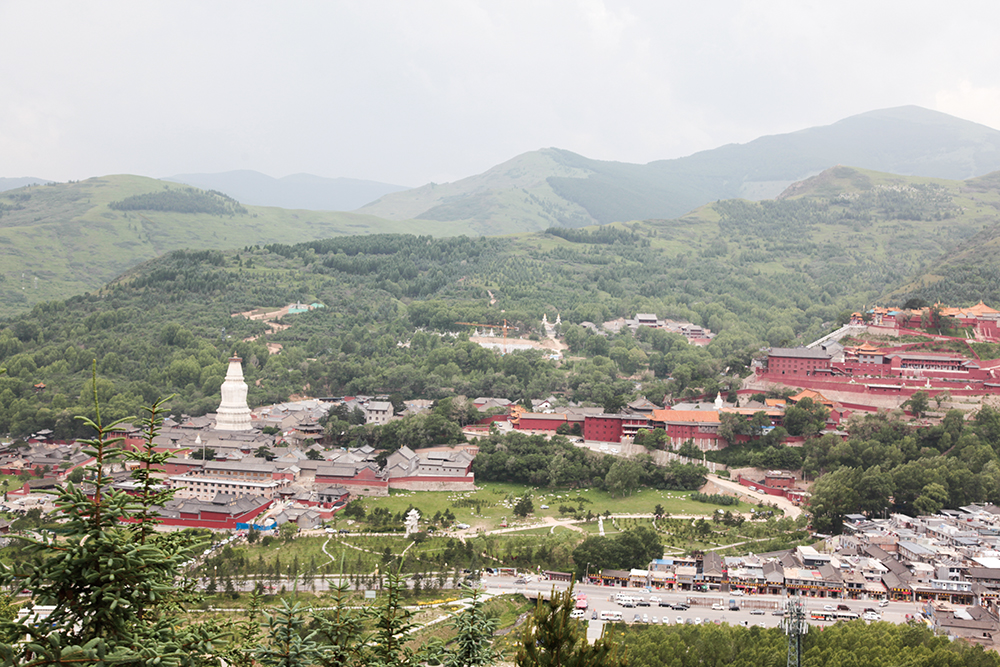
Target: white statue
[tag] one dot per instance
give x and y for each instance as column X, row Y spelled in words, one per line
column 412, row 519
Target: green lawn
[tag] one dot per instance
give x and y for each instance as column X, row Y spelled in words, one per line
column 361, row 553
column 498, row 499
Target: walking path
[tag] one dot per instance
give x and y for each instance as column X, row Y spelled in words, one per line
column 791, row 509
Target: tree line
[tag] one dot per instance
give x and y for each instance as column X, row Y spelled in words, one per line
column 889, row 465
column 186, row 200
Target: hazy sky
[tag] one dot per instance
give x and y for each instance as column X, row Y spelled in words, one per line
column 416, row 91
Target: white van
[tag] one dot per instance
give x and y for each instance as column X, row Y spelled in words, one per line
column 611, row 616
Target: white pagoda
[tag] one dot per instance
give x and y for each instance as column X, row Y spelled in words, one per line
column 234, row 413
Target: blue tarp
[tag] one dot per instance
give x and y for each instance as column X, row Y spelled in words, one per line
column 248, row 526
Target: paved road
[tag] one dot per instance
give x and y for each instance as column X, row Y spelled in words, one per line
column 600, row 599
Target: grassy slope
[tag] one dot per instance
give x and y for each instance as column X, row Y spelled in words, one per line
column 884, row 238
column 980, row 202
column 511, row 197
column 572, row 188
column 68, row 238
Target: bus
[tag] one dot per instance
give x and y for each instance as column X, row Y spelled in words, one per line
column 824, row 615
column 581, row 601
column 611, row 616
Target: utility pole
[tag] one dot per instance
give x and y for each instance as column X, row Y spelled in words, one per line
column 794, row 624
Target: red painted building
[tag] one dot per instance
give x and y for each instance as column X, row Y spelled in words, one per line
column 796, row 362
column 893, row 370
column 359, row 478
column 534, row 421
column 699, row 426
column 603, row 428
column 221, row 513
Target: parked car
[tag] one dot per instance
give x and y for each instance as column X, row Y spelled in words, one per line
column 519, row 582
column 654, row 599
column 718, row 606
column 641, row 602
column 778, row 612
column 680, row 606
column 654, row 620
column 637, row 618
column 577, row 613
column 544, row 507
column 756, row 612
column 680, row 620
column 843, row 607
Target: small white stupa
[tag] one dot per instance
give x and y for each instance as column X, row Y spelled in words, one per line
column 234, row 413
column 411, row 522
column 719, row 404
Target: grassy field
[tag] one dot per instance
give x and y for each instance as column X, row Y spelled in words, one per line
column 546, row 545
column 497, row 501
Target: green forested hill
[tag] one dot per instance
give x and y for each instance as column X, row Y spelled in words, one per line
column 972, row 270
column 756, row 273
column 60, row 239
column 556, row 187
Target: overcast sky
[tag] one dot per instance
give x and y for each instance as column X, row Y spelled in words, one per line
column 417, row 91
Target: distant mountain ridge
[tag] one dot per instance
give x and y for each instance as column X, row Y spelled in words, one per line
column 14, row 183
column 298, row 191
column 557, row 187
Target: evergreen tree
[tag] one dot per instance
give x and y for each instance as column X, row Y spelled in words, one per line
column 291, row 645
column 339, row 629
column 246, row 635
column 474, row 641
column 112, row 586
column 392, row 621
column 553, row 639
